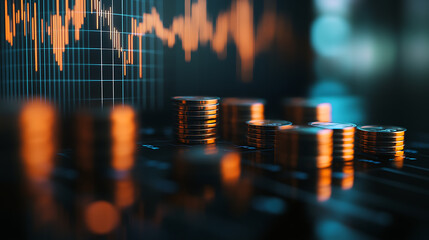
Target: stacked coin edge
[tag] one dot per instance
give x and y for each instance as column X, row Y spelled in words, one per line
column 262, row 133
column 383, row 144
column 299, row 147
column 196, row 119
column 343, row 139
column 235, row 112
column 303, row 111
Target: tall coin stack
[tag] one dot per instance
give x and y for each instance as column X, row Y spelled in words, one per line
column 235, row 112
column 196, row 119
column 301, row 111
column 381, row 141
column 304, row 147
column 262, row 133
column 343, row 139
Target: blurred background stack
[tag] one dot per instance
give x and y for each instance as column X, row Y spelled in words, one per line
column 301, row 111
column 235, row 113
column 104, row 140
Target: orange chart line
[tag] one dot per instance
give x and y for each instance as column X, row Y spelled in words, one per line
column 193, row 29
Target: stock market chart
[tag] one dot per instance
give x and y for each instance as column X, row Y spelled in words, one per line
column 214, row 119
column 112, row 51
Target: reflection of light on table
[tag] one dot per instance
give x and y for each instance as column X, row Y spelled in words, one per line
column 231, row 168
column 324, row 187
column 348, row 177
column 124, row 192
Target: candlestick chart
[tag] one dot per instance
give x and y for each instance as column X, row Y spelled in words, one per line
column 75, row 51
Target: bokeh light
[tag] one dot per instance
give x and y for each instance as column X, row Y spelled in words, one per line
column 101, row 217
column 330, row 35
column 332, row 6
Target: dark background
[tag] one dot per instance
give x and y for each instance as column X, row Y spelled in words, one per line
column 389, row 87
column 381, row 77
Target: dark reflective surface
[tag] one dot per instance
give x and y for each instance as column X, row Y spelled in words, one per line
column 106, row 177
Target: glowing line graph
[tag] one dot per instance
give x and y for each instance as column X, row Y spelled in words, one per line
column 194, row 28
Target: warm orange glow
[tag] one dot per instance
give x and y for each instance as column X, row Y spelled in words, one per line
column 346, row 155
column 193, row 29
column 60, row 39
column 124, row 193
column 37, row 121
column 257, row 111
column 101, row 217
column 124, row 128
column 324, row 182
column 210, row 149
column 231, row 167
column 348, row 177
column 324, row 112
column 14, row 19
column 398, row 162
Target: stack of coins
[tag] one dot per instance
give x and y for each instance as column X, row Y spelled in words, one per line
column 343, row 139
column 301, row 111
column 196, row 119
column 105, row 140
column 262, row 133
column 303, row 147
column 381, row 141
column 235, row 113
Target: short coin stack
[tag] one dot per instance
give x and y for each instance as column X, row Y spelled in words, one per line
column 262, row 133
column 304, row 147
column 235, row 113
column 343, row 139
column 302, row 111
column 196, row 119
column 381, row 141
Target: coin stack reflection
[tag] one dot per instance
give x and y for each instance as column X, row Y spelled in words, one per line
column 262, row 133
column 302, row 111
column 196, row 119
column 343, row 139
column 304, row 147
column 105, row 140
column 235, row 113
column 201, row 165
column 381, row 141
